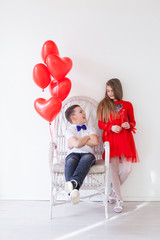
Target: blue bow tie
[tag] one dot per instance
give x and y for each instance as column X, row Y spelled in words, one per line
column 81, row 127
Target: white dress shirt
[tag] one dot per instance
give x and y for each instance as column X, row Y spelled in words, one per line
column 73, row 132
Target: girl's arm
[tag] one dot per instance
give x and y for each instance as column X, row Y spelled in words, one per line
column 105, row 126
column 131, row 118
column 132, row 121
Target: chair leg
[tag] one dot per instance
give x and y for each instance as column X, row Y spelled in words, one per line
column 51, row 203
column 106, row 201
column 53, row 199
column 106, row 210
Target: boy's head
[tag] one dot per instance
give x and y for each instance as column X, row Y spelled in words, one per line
column 75, row 115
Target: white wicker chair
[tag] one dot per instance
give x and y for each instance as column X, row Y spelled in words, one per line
column 97, row 178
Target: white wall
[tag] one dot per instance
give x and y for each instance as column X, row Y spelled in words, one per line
column 104, row 39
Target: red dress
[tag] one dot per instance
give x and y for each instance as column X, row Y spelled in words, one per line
column 122, row 143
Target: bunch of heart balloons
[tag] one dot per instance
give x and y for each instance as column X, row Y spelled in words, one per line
column 52, row 74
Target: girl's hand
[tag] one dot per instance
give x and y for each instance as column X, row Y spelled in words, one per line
column 116, row 128
column 125, row 125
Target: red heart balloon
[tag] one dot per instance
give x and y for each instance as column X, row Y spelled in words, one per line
column 49, row 47
column 60, row 89
column 48, row 109
column 41, row 75
column 58, row 67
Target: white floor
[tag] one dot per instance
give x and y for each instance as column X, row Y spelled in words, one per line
column 29, row 220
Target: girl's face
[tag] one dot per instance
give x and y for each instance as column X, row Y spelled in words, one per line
column 110, row 93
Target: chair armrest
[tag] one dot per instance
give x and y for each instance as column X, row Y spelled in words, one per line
column 107, row 153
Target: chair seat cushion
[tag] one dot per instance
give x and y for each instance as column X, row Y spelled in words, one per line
column 99, row 167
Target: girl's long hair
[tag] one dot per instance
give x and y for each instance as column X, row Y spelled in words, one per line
column 106, row 105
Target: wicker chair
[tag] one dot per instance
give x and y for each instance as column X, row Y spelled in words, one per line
column 97, row 178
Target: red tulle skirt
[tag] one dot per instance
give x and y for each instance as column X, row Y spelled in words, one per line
column 122, row 144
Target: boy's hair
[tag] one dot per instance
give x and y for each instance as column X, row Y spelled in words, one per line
column 70, row 111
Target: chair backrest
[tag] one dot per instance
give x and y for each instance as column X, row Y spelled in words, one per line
column 89, row 105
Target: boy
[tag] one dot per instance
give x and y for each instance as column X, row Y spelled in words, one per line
column 80, row 142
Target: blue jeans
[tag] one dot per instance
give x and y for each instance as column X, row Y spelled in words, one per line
column 77, row 165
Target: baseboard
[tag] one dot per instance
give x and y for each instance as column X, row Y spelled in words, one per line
column 141, row 199
column 96, row 198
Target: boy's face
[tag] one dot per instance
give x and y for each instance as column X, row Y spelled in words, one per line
column 79, row 116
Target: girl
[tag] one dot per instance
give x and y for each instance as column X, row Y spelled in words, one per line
column 116, row 118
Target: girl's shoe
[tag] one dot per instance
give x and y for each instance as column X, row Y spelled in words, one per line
column 112, row 197
column 118, row 207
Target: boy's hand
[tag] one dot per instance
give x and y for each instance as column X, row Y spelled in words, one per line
column 93, row 141
column 116, row 128
column 70, row 145
column 74, row 142
column 125, row 125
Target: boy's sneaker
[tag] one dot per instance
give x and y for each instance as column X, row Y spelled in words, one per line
column 74, row 183
column 68, row 187
column 74, row 195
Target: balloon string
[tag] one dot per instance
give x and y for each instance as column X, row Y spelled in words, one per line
column 54, row 123
column 51, row 133
column 58, row 89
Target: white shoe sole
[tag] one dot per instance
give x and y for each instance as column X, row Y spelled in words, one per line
column 117, row 210
column 75, row 196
